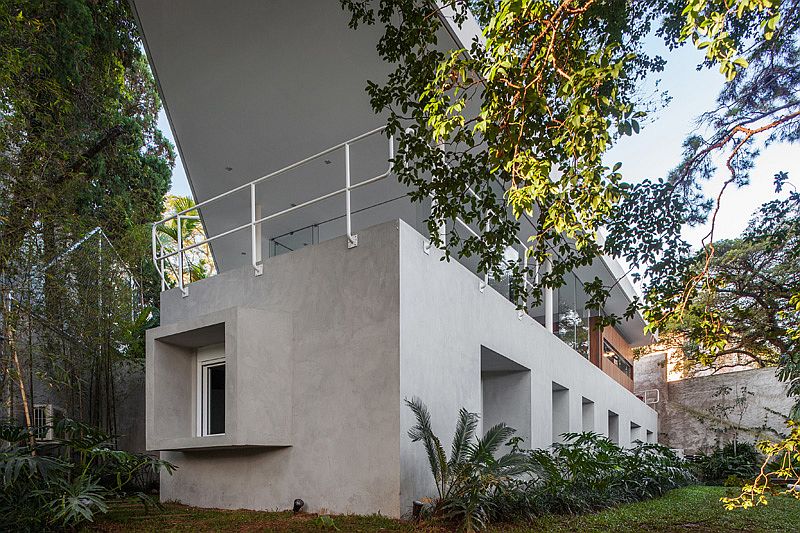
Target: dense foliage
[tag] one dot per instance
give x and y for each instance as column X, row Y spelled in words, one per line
column 730, row 464
column 523, row 116
column 66, row 482
column 78, row 133
column 491, row 479
column 83, row 169
column 506, row 135
column 738, row 315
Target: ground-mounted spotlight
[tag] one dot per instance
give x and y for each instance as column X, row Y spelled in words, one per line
column 298, row 504
column 416, row 509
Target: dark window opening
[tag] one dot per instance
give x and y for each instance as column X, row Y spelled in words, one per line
column 216, row 399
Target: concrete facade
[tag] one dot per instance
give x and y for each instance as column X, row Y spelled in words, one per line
column 698, row 414
column 326, row 345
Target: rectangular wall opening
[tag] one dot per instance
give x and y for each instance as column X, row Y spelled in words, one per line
column 587, row 415
column 613, row 427
column 505, row 394
column 560, row 412
column 636, row 433
column 650, row 437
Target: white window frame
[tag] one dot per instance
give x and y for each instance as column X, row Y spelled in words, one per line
column 207, row 358
column 49, row 417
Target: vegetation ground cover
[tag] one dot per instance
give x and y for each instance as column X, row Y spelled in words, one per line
column 694, row 508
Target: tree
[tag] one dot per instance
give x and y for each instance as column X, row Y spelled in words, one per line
column 508, row 136
column 198, row 262
column 78, row 133
column 80, row 150
column 756, row 43
column 738, row 313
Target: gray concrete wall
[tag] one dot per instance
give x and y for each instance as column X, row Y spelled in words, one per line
column 444, row 321
column 691, row 411
column 344, row 312
column 370, row 327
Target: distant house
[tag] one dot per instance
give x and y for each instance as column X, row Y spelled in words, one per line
column 284, row 375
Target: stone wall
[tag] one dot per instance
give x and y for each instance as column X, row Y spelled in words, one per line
column 698, row 414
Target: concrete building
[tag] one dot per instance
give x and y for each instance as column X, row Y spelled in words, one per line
column 284, row 376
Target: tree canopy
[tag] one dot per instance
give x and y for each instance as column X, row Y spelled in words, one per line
column 509, row 135
column 78, row 135
column 83, row 169
column 740, row 313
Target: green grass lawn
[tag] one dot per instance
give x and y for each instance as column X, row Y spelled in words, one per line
column 687, row 509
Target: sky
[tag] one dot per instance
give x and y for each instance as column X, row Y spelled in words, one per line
column 657, row 148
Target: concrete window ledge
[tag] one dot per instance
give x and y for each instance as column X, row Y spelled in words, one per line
column 212, row 442
column 258, row 381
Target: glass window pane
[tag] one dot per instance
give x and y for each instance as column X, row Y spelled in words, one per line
column 216, row 399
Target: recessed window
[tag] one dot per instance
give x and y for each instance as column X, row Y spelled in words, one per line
column 211, row 391
column 613, row 427
column 560, row 416
column 587, row 414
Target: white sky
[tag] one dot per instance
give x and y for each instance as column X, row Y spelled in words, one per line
column 657, row 148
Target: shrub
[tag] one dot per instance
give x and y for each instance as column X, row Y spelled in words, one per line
column 466, row 481
column 740, row 460
column 64, row 483
column 586, row 472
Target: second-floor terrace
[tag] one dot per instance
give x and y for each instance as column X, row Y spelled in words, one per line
column 283, row 150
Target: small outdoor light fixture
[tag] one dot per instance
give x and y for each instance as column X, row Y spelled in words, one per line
column 298, row 504
column 416, row 509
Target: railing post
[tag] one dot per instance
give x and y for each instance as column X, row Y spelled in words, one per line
column 184, row 292
column 255, row 236
column 524, row 282
column 548, row 300
column 485, row 281
column 155, row 244
column 352, row 240
column 163, row 276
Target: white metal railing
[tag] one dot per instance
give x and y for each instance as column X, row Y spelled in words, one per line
column 160, row 256
column 485, row 281
column 650, row 396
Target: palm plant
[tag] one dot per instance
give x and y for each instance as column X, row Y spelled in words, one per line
column 198, row 262
column 466, row 481
column 584, row 473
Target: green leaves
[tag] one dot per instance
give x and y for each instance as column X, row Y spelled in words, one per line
column 586, row 472
column 79, row 135
column 712, row 26
column 470, row 476
column 66, row 483
column 509, row 134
